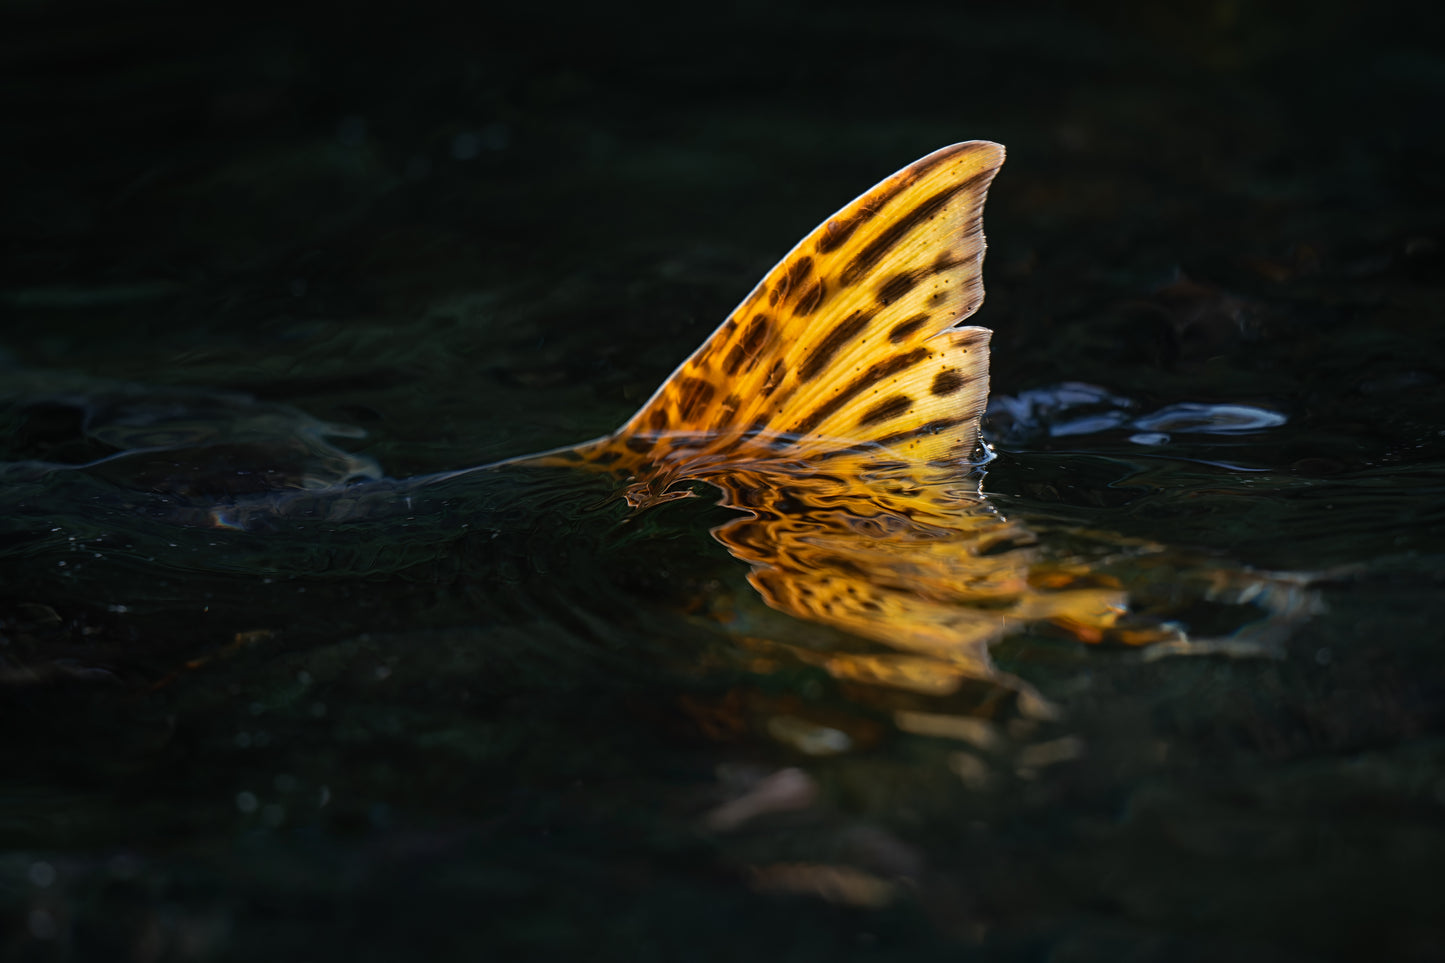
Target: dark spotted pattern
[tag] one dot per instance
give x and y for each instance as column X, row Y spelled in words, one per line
column 948, row 382
column 757, row 333
column 725, row 412
column 878, row 248
column 796, row 274
column 895, row 287
column 695, row 394
column 845, row 332
column 932, row 428
column 946, row 262
column 886, row 410
column 811, row 299
column 845, row 435
column 866, row 380
column 904, row 328
column 817, row 350
column 775, row 390
column 841, row 564
column 775, row 377
column 748, row 346
column 838, row 230
column 974, row 339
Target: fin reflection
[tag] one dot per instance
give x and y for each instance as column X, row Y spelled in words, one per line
column 908, row 559
column 839, row 408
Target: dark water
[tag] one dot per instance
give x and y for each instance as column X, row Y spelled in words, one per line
column 247, row 252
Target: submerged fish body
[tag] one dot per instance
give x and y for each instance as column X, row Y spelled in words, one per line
column 837, row 409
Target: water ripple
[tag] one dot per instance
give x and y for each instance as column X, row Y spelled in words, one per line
column 1074, row 409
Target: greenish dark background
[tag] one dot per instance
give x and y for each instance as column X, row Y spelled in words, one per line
column 479, row 231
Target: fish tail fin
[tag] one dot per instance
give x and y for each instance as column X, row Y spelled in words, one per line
column 850, row 344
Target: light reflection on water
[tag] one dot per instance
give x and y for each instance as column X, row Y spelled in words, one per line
column 364, row 656
column 909, row 574
column 902, row 554
column 1076, row 409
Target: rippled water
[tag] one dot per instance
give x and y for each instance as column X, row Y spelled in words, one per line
column 309, row 269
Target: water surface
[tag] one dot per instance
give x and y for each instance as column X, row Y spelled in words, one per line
column 513, row 719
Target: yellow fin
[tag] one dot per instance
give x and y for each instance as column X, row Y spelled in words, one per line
column 837, row 408
column 850, row 343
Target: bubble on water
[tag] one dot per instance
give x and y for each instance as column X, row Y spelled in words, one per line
column 1210, row 419
column 1150, row 438
column 247, row 802
column 1088, row 424
column 41, row 873
column 1074, row 409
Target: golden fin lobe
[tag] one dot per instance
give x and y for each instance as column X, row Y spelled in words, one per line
column 838, row 408
column 850, row 343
